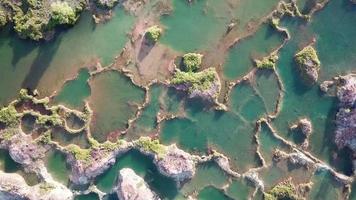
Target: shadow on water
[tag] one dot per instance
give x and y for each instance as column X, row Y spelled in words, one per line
column 21, row 48
column 300, row 87
column 342, row 159
column 41, row 63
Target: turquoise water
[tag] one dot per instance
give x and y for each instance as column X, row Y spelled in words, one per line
column 211, row 193
column 325, row 187
column 240, row 189
column 46, row 65
column 144, row 167
column 74, row 92
column 201, row 129
column 207, row 174
column 240, row 57
column 90, row 196
column 114, row 100
column 192, row 27
column 57, row 166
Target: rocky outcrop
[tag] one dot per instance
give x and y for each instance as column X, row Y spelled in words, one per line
column 130, row 186
column 304, row 126
column 176, row 163
column 308, row 64
column 346, row 116
column 13, row 186
column 83, row 171
column 203, row 84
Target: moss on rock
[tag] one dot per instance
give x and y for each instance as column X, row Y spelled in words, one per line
column 268, row 62
column 150, row 145
column 308, row 64
column 282, row 191
column 79, row 153
column 200, row 81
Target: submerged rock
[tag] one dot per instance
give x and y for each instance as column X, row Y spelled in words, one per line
column 308, row 65
column 345, row 134
column 130, row 186
column 13, row 186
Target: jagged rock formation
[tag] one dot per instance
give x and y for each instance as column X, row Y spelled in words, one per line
column 346, row 116
column 13, row 186
column 308, row 65
column 176, row 163
column 130, row 186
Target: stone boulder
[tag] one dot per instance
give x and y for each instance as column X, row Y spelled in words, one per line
column 130, row 186
column 176, row 163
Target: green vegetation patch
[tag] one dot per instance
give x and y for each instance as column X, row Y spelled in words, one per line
column 307, row 56
column 107, row 145
column 79, row 153
column 45, row 138
column 268, row 62
column 62, row 13
column 34, row 19
column 8, row 116
column 149, row 145
column 3, row 17
column 49, row 120
column 200, row 81
column 8, row 133
column 282, row 191
column 192, row 61
column 153, row 33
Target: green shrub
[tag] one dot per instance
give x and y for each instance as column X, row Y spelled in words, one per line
column 79, row 153
column 31, row 25
column 192, row 61
column 3, row 18
column 62, row 13
column 8, row 116
column 282, row 191
column 147, row 144
column 45, row 138
column 268, row 62
column 8, row 133
column 196, row 80
column 307, row 54
column 50, row 120
column 153, row 33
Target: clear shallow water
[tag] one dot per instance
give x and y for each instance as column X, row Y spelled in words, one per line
column 325, row 187
column 240, row 57
column 211, row 193
column 207, row 174
column 192, row 26
column 46, row 65
column 201, row 129
column 240, row 189
column 57, row 167
column 114, row 99
column 75, row 91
